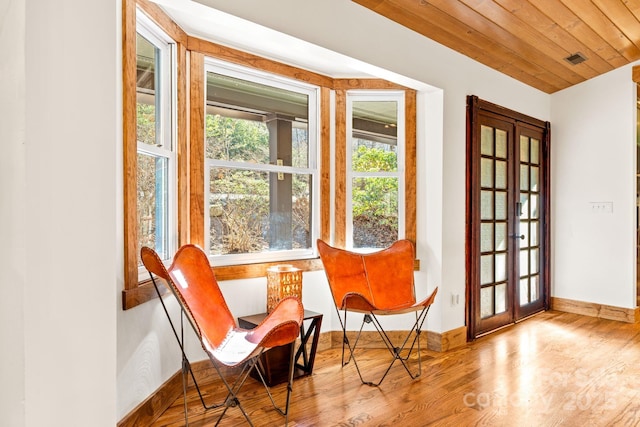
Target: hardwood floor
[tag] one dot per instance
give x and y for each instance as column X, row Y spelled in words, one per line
column 554, row 369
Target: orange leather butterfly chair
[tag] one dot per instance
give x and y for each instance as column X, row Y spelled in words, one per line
column 378, row 283
column 194, row 285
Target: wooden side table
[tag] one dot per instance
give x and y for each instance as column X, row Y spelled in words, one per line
column 274, row 363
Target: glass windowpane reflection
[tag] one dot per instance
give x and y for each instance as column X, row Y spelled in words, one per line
column 501, row 298
column 524, row 263
column 486, row 269
column 524, row 177
column 486, row 237
column 535, row 148
column 501, row 144
column 524, row 291
column 501, row 205
column 501, row 174
column 486, row 173
column 486, row 302
column 501, row 236
column 501, row 267
column 486, row 205
column 524, row 149
column 486, row 140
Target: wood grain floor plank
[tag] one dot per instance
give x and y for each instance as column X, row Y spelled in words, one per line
column 554, row 369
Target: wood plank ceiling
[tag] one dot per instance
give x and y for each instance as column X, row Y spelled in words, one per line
column 528, row 39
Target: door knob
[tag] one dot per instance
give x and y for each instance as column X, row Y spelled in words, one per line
column 521, row 237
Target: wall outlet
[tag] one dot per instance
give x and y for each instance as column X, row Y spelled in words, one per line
column 601, row 207
column 455, row 299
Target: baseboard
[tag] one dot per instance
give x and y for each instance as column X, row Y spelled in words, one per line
column 436, row 341
column 627, row 315
column 447, row 340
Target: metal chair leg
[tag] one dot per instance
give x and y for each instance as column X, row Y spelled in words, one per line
column 396, row 352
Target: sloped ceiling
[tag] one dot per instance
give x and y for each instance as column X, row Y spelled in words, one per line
column 529, row 40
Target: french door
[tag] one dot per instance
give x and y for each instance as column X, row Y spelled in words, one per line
column 507, row 216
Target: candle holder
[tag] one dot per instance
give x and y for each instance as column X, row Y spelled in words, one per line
column 282, row 281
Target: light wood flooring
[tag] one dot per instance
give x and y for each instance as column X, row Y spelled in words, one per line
column 554, row 369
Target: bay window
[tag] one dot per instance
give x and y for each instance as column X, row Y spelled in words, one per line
column 252, row 159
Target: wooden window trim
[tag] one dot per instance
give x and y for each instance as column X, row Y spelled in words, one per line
column 136, row 292
column 190, row 130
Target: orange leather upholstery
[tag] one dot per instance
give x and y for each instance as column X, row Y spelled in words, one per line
column 194, row 283
column 381, row 281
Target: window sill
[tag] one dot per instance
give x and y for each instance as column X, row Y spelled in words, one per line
column 145, row 291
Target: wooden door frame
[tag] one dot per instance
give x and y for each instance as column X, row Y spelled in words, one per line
column 474, row 106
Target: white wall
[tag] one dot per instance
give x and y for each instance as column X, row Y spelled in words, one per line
column 441, row 169
column 369, row 37
column 57, row 196
column 12, row 212
column 593, row 160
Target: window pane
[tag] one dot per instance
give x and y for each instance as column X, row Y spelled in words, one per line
column 375, row 211
column 535, row 148
column 147, row 80
column 486, row 237
column 501, row 175
column 152, row 206
column 524, row 177
column 501, row 267
column 243, row 218
column 524, row 149
column 501, row 298
column 486, row 269
column 486, row 173
column 236, row 139
column 501, row 143
column 534, row 206
column 534, row 178
column 486, row 140
column 524, row 291
column 534, row 233
column 524, row 201
column 501, row 236
column 486, row 302
column 534, row 288
column 501, row 205
column 534, row 261
column 486, row 205
column 255, row 122
column 524, row 262
column 375, row 134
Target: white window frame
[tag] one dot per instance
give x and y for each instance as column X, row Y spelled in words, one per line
column 313, row 131
column 167, row 146
column 376, row 95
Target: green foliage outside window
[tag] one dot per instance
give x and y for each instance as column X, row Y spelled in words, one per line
column 374, row 199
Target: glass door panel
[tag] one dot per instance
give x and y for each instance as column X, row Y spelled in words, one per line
column 528, row 214
column 494, row 202
column 507, row 235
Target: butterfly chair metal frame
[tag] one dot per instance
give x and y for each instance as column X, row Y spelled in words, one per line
column 376, row 284
column 191, row 280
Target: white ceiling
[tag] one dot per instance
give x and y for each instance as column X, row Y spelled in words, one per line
column 210, row 24
column 204, row 22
